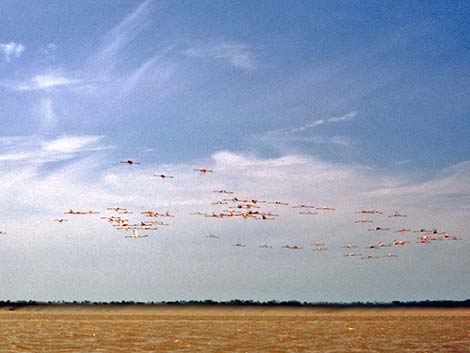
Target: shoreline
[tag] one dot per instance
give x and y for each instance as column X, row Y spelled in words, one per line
column 231, row 310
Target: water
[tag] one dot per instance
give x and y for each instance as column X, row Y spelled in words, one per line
column 232, row 330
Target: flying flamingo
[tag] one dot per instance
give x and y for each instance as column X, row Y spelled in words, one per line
column 370, row 212
column 292, row 247
column 303, row 206
column 396, row 214
column 277, row 202
column 129, row 162
column 349, row 246
column 240, row 245
column 203, row 170
column 163, row 176
column 60, row 220
column 364, row 221
column 212, row 236
column 353, row 254
column 136, row 235
column 223, row 191
column 377, row 229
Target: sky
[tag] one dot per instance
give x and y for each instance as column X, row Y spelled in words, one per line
column 349, row 105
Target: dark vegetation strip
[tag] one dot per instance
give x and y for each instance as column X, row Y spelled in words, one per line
column 252, row 303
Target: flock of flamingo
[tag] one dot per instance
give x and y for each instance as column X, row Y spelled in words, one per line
column 253, row 209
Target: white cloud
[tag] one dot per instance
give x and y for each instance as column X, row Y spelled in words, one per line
column 50, row 48
column 235, row 54
column 46, row 112
column 291, row 139
column 141, row 71
column 292, row 136
column 11, row 50
column 37, row 151
column 123, row 33
column 70, row 144
column 315, row 123
column 44, row 82
column 293, row 178
column 343, row 118
column 35, row 198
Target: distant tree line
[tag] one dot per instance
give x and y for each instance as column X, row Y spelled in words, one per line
column 239, row 302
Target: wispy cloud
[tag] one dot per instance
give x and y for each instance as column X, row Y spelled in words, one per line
column 316, row 123
column 44, row 82
column 119, row 36
column 11, row 50
column 138, row 73
column 71, row 144
column 46, row 112
column 38, row 151
column 289, row 139
column 298, row 135
column 235, row 54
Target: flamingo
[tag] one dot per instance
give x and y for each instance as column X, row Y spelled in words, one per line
column 326, row 208
column 240, row 245
column 378, row 229
column 199, row 213
column 303, row 206
column 292, row 247
column 277, row 202
column 349, row 246
column 370, row 212
column 364, row 221
column 223, row 191
column 400, row 242
column 353, row 254
column 117, row 209
column 212, row 236
column 219, row 203
column 60, row 220
column 203, row 170
column 135, row 235
column 369, row 257
column 163, row 176
column 129, row 162
column 396, row 214
column 265, row 217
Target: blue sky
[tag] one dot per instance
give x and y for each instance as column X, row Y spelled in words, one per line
column 353, row 105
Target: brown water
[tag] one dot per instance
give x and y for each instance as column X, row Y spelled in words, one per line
column 232, row 330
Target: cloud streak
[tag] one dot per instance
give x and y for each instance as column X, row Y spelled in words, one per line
column 34, row 150
column 316, row 123
column 119, row 36
column 46, row 112
column 44, row 82
column 235, row 54
column 295, row 135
